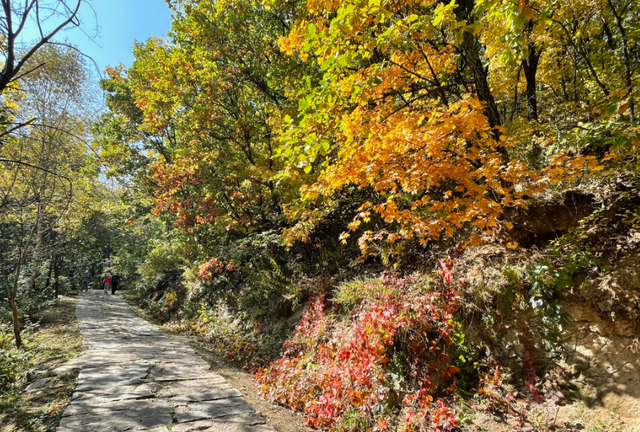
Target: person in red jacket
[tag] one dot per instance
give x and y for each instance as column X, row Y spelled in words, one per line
column 106, row 283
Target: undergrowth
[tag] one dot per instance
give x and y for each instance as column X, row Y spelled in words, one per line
column 393, row 351
column 48, row 344
column 390, row 352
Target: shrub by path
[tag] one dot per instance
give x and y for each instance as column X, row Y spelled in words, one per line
column 133, row 377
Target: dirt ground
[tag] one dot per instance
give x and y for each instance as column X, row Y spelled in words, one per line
column 603, row 370
column 282, row 419
column 600, row 379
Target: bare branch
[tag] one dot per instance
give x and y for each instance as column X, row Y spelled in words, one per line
column 11, row 70
column 15, row 128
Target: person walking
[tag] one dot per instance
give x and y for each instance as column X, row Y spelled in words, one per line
column 106, row 283
column 84, row 282
column 115, row 283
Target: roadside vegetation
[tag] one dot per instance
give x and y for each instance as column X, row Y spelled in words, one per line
column 395, row 215
column 33, row 395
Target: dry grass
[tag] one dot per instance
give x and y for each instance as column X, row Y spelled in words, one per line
column 54, row 342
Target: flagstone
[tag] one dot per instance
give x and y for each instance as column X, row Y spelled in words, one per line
column 133, row 377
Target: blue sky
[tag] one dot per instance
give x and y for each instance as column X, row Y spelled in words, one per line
column 109, row 28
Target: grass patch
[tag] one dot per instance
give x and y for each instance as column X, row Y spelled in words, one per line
column 53, row 342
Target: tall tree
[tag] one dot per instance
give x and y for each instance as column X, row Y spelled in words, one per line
column 206, row 107
column 44, row 164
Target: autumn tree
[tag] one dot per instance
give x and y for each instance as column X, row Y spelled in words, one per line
column 419, row 103
column 45, row 171
column 404, row 109
column 197, row 116
column 571, row 56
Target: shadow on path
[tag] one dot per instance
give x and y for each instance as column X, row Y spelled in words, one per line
column 133, row 377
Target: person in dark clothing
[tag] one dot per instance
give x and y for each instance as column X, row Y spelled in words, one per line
column 86, row 278
column 115, row 283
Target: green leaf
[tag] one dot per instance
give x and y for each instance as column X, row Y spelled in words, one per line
column 325, row 145
column 611, row 109
column 311, row 29
column 474, row 28
column 518, row 21
column 303, row 104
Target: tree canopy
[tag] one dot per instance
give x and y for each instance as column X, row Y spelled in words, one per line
column 258, row 116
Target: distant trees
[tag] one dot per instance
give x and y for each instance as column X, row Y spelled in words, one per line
column 43, row 125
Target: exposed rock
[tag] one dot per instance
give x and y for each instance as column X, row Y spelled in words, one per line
column 37, row 385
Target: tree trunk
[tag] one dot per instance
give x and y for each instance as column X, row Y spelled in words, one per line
column 472, row 55
column 72, row 273
column 16, row 322
column 46, row 285
column 36, row 255
column 626, row 55
column 12, row 289
column 56, row 273
column 530, row 67
column 480, row 79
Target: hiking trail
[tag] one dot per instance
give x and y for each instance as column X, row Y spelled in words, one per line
column 133, row 377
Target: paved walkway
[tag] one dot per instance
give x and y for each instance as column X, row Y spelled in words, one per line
column 133, row 377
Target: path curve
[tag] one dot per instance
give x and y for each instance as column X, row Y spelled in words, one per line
column 133, row 377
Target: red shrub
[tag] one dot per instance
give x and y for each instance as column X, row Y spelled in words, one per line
column 331, row 370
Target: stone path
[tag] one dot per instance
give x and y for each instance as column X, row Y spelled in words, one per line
column 133, row 377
